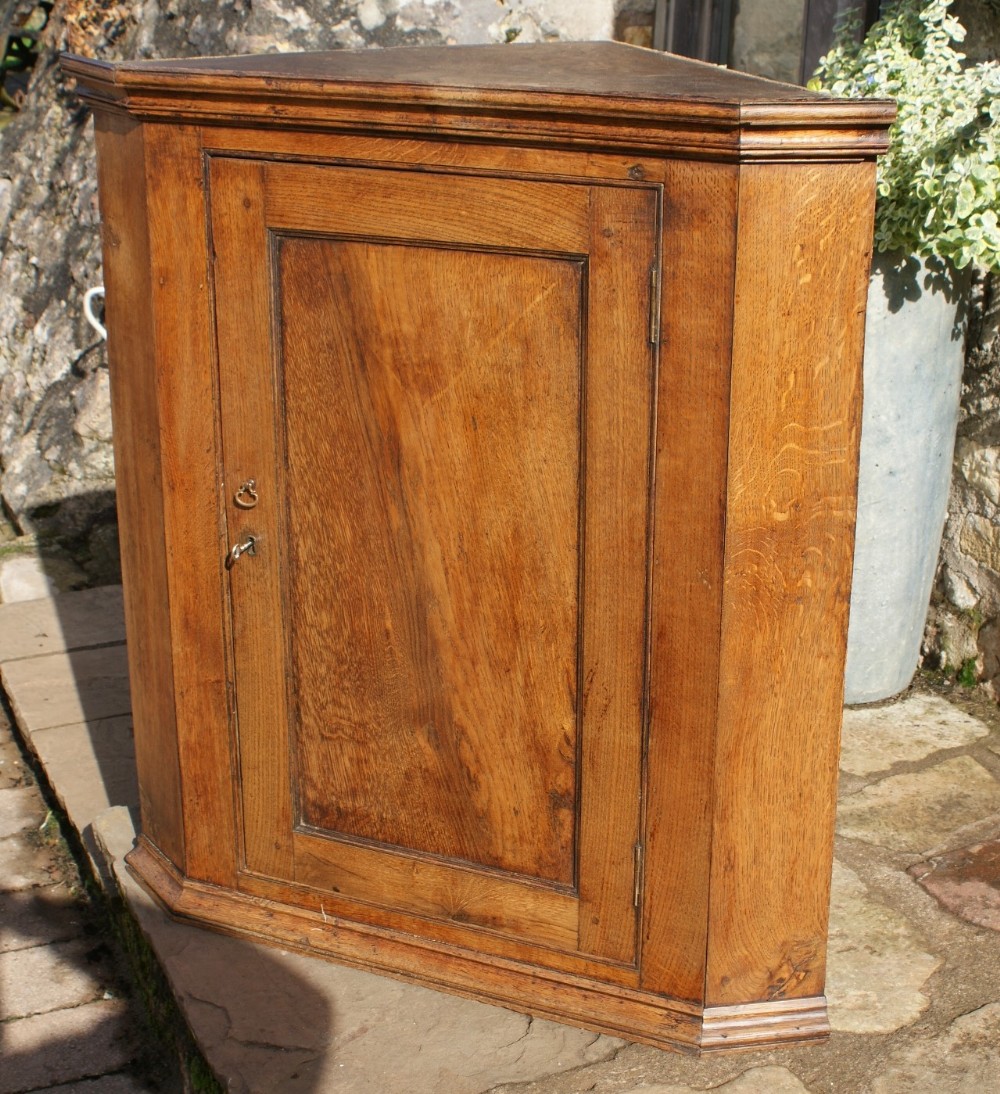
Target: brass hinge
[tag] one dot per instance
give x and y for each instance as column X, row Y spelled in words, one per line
column 637, row 893
column 654, row 305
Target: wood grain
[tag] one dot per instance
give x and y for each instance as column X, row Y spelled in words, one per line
column 504, row 213
column 133, row 364
column 523, row 163
column 692, row 443
column 463, row 971
column 195, row 547
column 438, row 890
column 434, row 543
column 514, row 703
column 459, row 930
column 596, row 95
column 616, row 518
column 801, row 274
column 620, row 1011
column 246, row 399
column 432, row 423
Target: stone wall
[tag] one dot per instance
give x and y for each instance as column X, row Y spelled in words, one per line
column 767, row 38
column 981, row 19
column 963, row 629
column 56, row 465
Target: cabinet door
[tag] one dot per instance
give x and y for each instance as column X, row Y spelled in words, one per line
column 440, row 385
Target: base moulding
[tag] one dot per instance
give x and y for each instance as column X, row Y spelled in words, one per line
column 649, row 1018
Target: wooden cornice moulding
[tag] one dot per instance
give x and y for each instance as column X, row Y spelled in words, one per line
column 599, row 95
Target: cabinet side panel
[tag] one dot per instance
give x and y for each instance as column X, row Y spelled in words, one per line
column 139, row 483
column 191, row 501
column 802, row 272
column 691, row 450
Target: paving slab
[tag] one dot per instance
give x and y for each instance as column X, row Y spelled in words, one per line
column 922, row 811
column 874, row 739
column 20, row 810
column 59, row 689
column 758, row 1080
column 272, row 1021
column 49, row 977
column 106, row 1084
column 91, row 617
column 64, row 1046
column 37, row 915
column 965, row 1059
column 90, row 766
column 279, row 1022
column 25, row 864
column 30, row 577
column 877, row 966
column 966, row 882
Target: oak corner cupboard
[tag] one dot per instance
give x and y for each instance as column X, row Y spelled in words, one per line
column 486, row 424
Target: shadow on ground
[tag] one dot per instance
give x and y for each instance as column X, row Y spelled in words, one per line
column 68, row 688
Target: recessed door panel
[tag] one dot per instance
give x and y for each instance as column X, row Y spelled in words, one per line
column 439, row 638
column 432, row 438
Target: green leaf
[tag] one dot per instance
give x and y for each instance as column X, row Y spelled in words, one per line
column 939, row 184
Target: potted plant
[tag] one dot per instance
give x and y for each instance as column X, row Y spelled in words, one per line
column 936, row 216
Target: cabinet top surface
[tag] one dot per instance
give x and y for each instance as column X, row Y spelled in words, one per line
column 600, row 69
column 608, row 84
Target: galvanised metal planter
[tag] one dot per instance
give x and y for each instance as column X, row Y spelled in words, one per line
column 914, row 354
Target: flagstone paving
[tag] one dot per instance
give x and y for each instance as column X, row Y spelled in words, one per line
column 878, row 964
column 913, row 978
column 965, row 881
column 63, row 1018
column 922, row 811
column 875, row 739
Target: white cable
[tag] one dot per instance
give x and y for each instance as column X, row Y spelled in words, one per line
column 88, row 310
